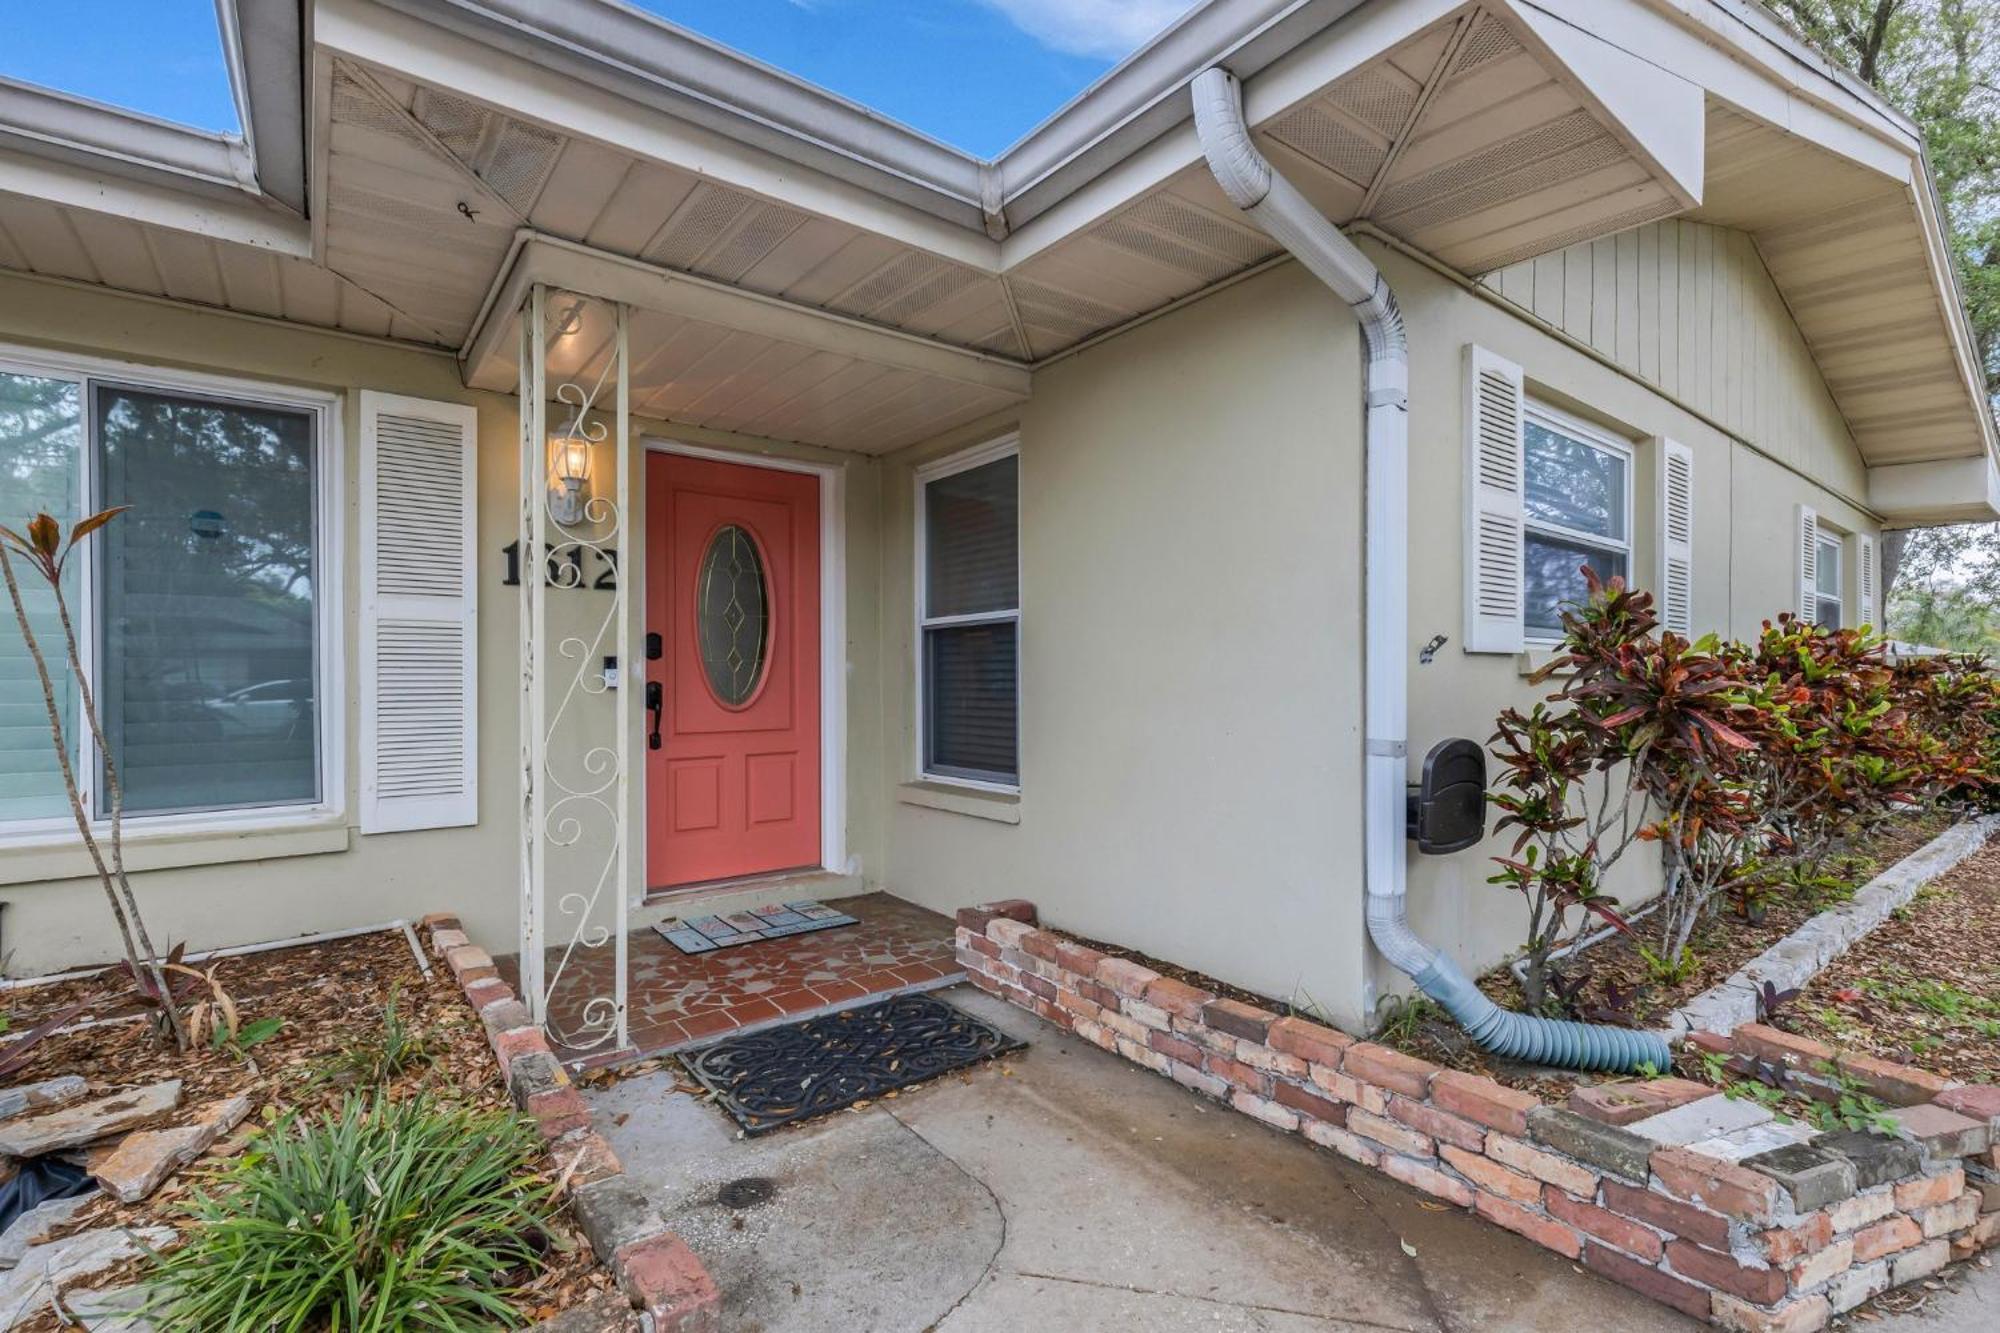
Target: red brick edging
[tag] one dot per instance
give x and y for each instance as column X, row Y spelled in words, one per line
column 1778, row 1242
column 668, row 1289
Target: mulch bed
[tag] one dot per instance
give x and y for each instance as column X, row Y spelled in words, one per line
column 1924, row 988
column 327, row 994
column 1723, row 943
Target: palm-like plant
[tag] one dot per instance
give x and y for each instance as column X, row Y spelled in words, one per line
column 46, row 549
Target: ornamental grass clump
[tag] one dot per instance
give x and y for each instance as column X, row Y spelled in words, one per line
column 385, row 1216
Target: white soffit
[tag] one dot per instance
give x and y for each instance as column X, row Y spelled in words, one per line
column 707, row 354
column 1478, row 141
column 1657, row 112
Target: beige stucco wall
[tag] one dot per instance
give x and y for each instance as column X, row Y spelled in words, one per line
column 1190, row 513
column 215, row 891
column 1191, row 638
column 1191, row 625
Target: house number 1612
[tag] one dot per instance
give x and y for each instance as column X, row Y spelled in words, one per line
column 566, row 566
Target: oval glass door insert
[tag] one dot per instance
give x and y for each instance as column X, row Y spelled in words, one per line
column 732, row 612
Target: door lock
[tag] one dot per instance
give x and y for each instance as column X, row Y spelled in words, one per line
column 656, row 696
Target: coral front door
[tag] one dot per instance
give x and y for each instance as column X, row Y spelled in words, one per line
column 733, row 700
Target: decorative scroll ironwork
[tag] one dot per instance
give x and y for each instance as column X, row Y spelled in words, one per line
column 786, row 1074
column 576, row 725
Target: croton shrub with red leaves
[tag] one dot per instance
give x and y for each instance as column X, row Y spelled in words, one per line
column 1749, row 766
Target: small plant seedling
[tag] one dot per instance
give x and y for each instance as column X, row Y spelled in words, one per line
column 1771, row 1002
column 395, row 1048
column 239, row 1042
column 1853, row 1106
column 1664, row 971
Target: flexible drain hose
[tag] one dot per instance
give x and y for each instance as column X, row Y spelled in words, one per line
column 1277, row 207
column 1541, row 1041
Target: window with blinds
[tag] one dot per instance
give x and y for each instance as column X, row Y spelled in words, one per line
column 969, row 617
column 200, row 605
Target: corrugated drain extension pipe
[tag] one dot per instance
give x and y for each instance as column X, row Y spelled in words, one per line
column 1276, row 206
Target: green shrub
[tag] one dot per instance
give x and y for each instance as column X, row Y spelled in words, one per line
column 396, row 1047
column 388, row 1216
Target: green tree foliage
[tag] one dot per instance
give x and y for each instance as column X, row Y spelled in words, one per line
column 1938, row 61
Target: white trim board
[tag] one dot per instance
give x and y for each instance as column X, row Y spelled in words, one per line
column 833, row 794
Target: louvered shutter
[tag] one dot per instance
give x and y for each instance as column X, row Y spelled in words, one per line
column 1808, row 541
column 1494, row 415
column 1864, row 564
column 419, row 747
column 1676, row 536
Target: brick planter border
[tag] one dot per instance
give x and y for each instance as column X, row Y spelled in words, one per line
column 1801, row 955
column 666, row 1288
column 1779, row 1240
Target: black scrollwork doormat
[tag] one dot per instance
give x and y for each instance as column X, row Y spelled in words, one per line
column 783, row 1075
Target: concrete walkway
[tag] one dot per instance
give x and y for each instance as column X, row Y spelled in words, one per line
column 1067, row 1191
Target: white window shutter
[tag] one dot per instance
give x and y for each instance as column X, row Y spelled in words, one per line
column 1676, row 535
column 1495, row 411
column 419, row 705
column 1864, row 565
column 1808, row 539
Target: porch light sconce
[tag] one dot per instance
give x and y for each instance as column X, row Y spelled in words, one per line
column 569, row 477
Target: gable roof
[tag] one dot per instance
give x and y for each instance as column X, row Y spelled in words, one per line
column 429, row 144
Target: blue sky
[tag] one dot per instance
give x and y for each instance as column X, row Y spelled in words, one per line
column 977, row 74
column 162, row 57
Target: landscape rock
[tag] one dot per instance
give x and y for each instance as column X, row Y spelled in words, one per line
column 33, row 1227
column 47, row 1270
column 50, row 1092
column 86, row 1122
column 113, row 1311
column 135, row 1168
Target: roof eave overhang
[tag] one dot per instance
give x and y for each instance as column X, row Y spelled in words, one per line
column 489, row 362
column 1918, row 495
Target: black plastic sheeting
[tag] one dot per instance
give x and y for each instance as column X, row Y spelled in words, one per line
column 40, row 1180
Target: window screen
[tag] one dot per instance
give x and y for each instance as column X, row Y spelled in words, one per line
column 206, row 596
column 1826, row 583
column 41, row 456
column 970, row 616
column 1577, row 501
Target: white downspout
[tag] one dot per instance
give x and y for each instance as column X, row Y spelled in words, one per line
column 1289, row 218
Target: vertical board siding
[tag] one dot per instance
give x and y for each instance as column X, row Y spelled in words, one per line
column 1690, row 308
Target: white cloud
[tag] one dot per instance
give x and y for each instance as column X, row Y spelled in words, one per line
column 1109, row 28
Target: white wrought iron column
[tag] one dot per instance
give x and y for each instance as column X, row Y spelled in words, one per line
column 577, row 718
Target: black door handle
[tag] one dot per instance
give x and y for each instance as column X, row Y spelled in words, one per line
column 655, row 704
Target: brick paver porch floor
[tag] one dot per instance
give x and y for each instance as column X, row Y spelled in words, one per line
column 679, row 1000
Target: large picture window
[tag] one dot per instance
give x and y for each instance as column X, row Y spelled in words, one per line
column 1577, row 496
column 199, row 611
column 969, row 615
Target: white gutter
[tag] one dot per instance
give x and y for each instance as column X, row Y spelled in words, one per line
column 1275, row 205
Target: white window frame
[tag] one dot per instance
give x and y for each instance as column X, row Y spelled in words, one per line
column 1826, row 538
column 330, row 687
column 1008, row 446
column 1595, row 437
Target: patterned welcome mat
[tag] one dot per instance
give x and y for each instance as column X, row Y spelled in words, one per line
column 704, row 934
column 778, row 1076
